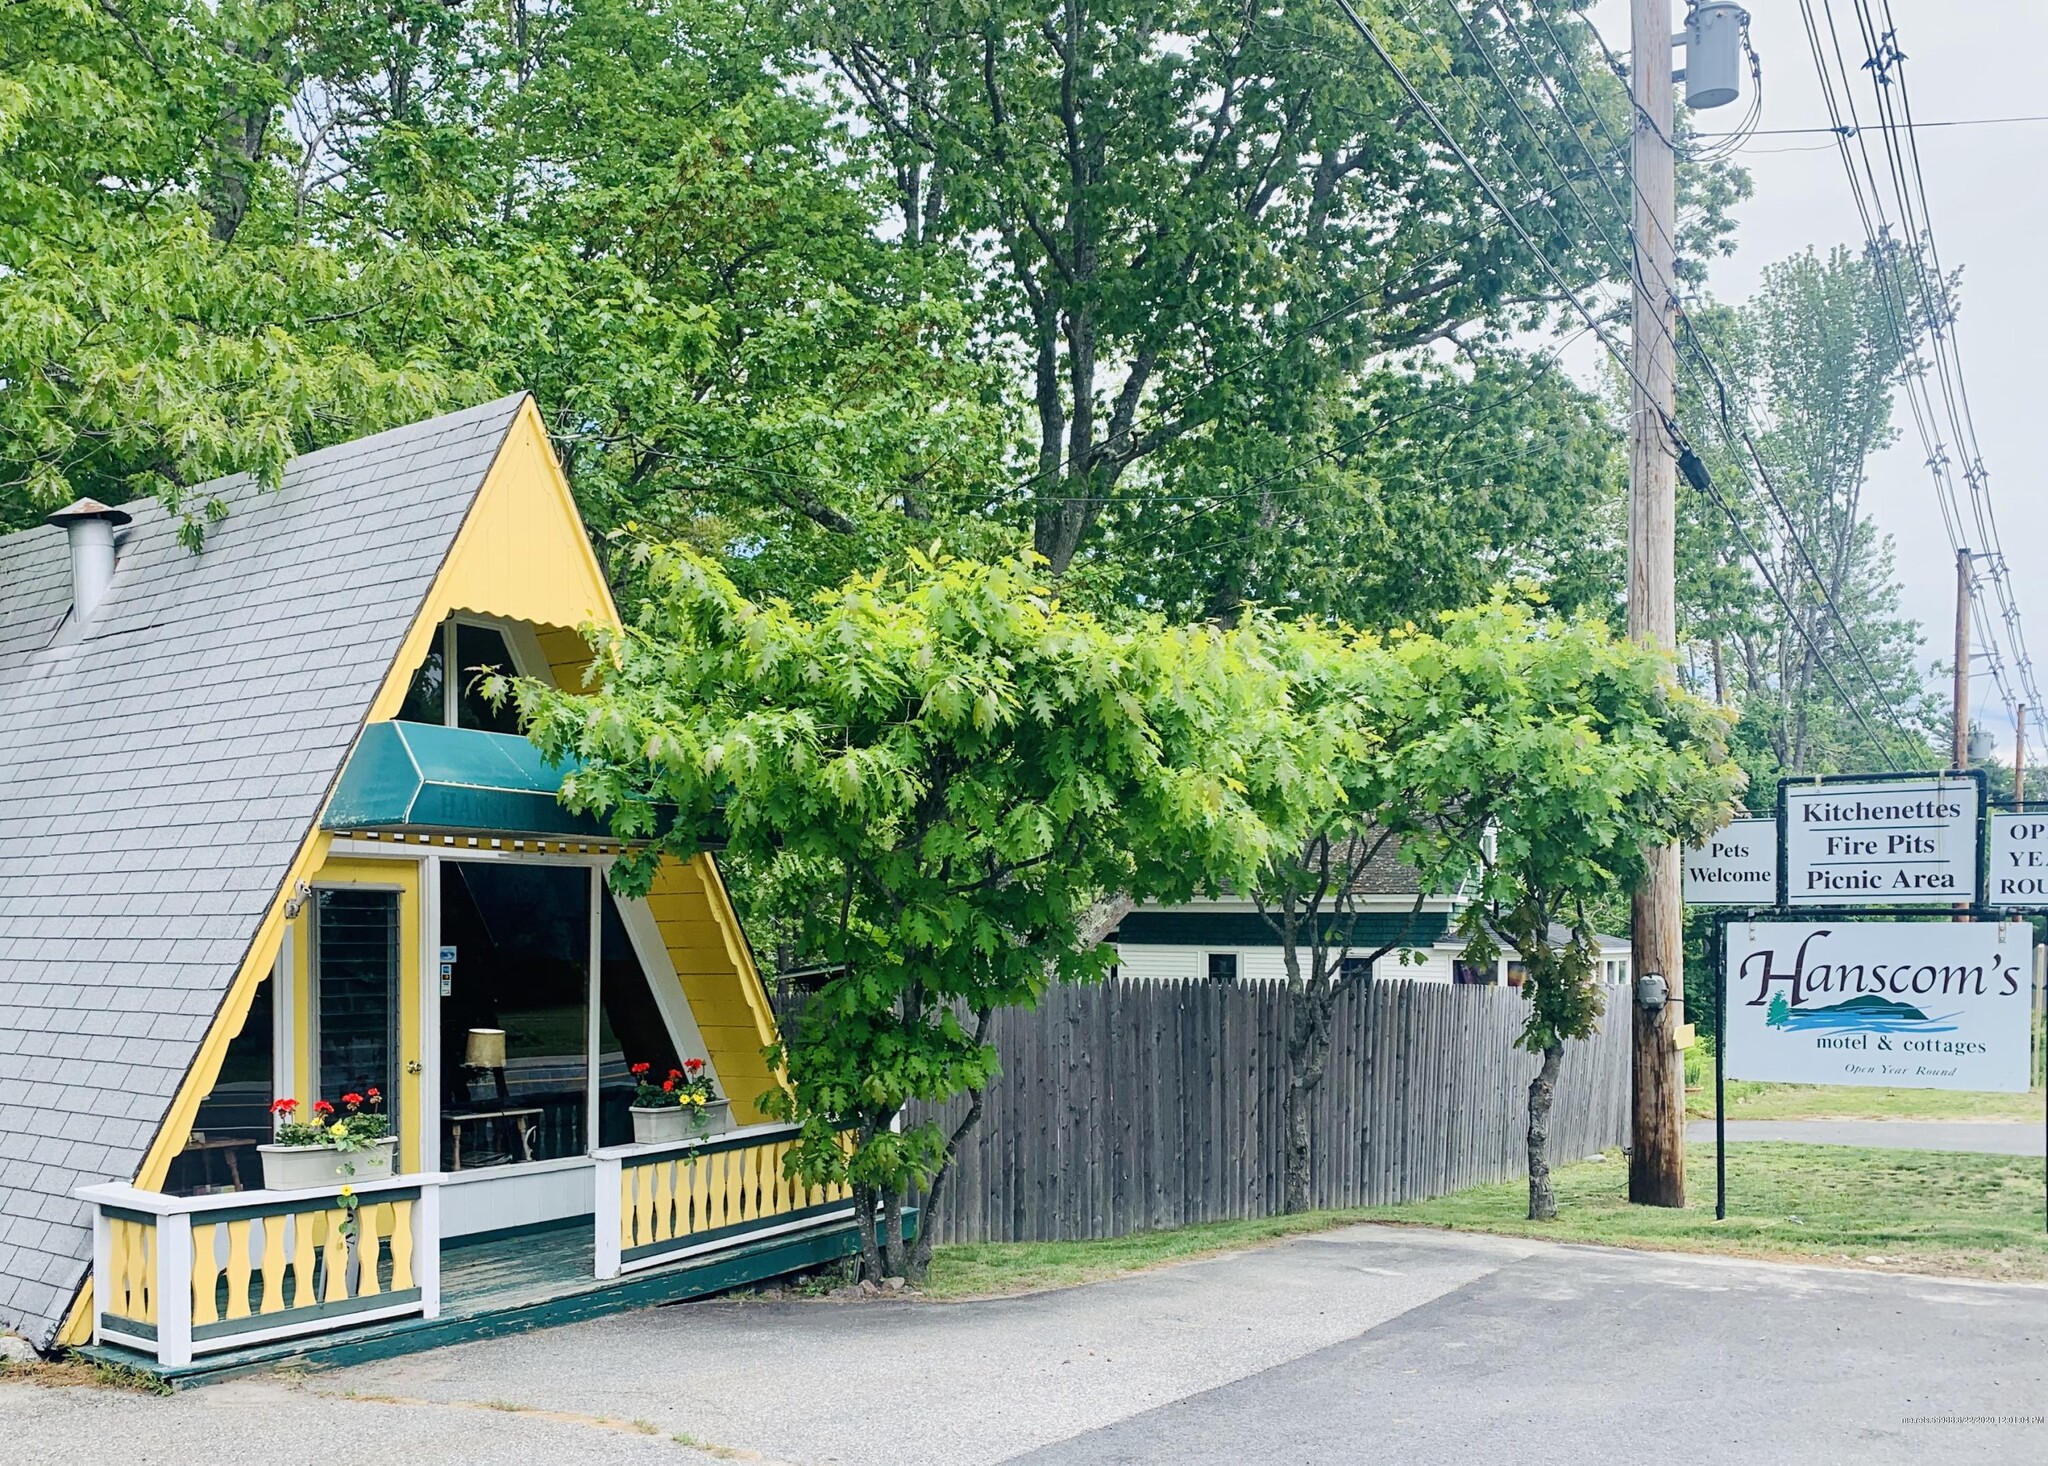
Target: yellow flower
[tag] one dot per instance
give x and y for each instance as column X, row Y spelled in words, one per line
column 348, row 1194
column 339, row 1130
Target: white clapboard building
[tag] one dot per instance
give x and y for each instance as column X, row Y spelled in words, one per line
column 1228, row 940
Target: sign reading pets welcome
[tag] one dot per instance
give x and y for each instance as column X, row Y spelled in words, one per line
column 1906, row 1004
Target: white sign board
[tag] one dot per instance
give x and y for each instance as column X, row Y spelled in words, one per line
column 1908, row 1004
column 1890, row 842
column 1737, row 867
column 2019, row 860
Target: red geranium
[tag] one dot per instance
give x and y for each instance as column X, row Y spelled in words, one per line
column 321, row 1107
column 283, row 1106
column 376, row 1095
column 668, row 1086
column 693, row 1065
column 640, row 1068
column 352, row 1099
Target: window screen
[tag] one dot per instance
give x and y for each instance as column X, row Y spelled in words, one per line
column 1223, row 967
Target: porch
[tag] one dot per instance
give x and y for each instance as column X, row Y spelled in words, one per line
column 312, row 1279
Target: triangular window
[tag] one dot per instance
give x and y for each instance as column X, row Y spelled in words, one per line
column 471, row 649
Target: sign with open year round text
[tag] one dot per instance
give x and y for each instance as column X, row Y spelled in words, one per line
column 1738, row 866
column 1884, row 842
column 1907, row 1004
column 2019, row 861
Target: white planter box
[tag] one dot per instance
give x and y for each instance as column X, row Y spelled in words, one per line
column 301, row 1167
column 662, row 1124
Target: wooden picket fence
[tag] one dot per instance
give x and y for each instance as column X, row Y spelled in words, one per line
column 1136, row 1105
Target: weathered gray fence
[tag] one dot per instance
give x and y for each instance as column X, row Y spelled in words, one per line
column 1136, row 1105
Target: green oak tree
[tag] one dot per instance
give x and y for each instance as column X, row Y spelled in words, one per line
column 929, row 775
column 1520, row 756
column 1195, row 226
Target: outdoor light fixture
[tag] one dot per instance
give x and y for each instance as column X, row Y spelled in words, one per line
column 1651, row 991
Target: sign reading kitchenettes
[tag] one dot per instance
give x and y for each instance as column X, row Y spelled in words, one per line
column 1882, row 842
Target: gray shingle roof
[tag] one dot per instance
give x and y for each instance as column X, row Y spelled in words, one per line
column 158, row 771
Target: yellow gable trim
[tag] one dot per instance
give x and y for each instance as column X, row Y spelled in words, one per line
column 521, row 554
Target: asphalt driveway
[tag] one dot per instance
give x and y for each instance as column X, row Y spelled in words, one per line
column 1369, row 1344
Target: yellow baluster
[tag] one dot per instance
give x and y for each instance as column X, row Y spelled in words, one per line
column 700, row 1194
column 664, row 1200
column 643, row 1205
column 273, row 1265
column 238, row 1267
column 734, row 1162
column 625, row 1209
column 304, row 1225
column 143, row 1279
column 369, row 1249
column 401, row 1246
column 122, row 1285
column 334, row 1257
column 205, row 1275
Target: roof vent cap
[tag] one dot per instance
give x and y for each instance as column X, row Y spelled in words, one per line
column 90, row 526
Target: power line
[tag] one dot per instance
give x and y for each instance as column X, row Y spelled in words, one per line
column 1697, row 347
column 1493, row 195
column 1840, row 131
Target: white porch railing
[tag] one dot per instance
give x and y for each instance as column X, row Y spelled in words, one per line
column 658, row 1203
column 175, row 1276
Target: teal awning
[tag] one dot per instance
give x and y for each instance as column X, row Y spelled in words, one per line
column 419, row 776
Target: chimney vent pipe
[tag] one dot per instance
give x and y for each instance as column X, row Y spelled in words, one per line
column 90, row 526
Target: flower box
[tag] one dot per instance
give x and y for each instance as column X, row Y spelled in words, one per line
column 303, row 1167
column 661, row 1124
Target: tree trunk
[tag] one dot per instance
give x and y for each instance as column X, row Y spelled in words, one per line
column 864, row 1204
column 1308, row 1055
column 1542, row 1094
column 919, row 1261
column 895, row 1264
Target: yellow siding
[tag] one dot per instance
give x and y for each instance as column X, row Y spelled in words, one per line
column 567, row 653
column 702, row 936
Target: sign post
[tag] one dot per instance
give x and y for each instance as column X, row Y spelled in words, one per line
column 1894, row 946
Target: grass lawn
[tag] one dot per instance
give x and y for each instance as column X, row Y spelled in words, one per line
column 982, row 1269
column 1912, row 1211
column 1751, row 1099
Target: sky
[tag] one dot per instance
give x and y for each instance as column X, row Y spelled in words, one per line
column 1964, row 59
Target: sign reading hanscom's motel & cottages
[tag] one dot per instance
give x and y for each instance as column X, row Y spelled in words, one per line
column 1906, row 1004
column 1884, row 843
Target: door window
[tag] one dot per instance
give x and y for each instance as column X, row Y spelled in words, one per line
column 355, row 955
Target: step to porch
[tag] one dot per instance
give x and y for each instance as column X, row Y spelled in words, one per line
column 509, row 1283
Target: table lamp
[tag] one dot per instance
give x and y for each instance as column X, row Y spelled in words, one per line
column 487, row 1051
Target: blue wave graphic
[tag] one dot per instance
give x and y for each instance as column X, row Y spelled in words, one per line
column 1838, row 1020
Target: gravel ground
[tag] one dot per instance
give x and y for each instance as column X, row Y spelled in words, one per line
column 1371, row 1343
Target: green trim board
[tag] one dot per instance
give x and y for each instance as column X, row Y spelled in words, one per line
column 305, row 1206
column 309, row 1315
column 1240, row 929
column 580, row 1299
column 426, row 777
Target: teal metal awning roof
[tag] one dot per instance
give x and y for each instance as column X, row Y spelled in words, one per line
column 420, row 776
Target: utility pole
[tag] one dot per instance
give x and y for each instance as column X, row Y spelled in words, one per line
column 1959, row 757
column 1656, row 1167
column 2019, row 757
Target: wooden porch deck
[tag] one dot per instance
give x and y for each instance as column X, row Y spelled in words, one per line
column 507, row 1283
